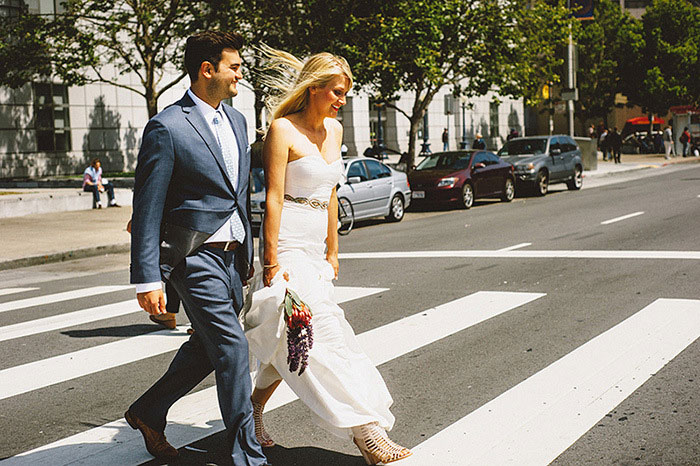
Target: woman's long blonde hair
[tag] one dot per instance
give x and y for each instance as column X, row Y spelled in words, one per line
column 289, row 79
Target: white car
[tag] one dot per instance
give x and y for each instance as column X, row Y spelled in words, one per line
column 373, row 188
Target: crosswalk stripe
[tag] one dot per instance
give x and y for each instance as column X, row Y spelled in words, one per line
column 39, row 374
column 197, row 415
column 538, row 419
column 58, row 297
column 6, row 291
column 525, row 254
column 69, row 319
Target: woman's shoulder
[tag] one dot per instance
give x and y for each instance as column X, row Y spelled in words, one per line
column 333, row 124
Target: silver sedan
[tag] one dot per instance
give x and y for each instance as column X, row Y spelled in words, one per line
column 375, row 189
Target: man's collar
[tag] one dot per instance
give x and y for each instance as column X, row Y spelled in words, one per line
column 204, row 107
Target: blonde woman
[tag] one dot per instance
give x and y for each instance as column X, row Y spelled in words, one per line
column 302, row 162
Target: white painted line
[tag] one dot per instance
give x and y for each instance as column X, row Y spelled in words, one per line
column 538, row 419
column 6, row 291
column 344, row 294
column 71, row 319
column 45, row 372
column 624, row 217
column 517, row 246
column 527, row 254
column 34, row 375
column 58, row 297
column 197, row 415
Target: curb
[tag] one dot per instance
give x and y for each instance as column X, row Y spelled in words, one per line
column 64, row 256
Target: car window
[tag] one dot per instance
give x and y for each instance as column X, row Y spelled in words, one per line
column 492, row 158
column 358, row 169
column 257, row 176
column 480, row 157
column 554, row 144
column 524, row 146
column 445, row 160
column 377, row 170
column 571, row 145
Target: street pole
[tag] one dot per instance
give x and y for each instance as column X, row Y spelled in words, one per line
column 425, row 149
column 463, row 142
column 380, row 132
column 571, row 78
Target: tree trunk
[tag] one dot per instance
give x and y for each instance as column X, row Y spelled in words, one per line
column 151, row 102
column 413, row 131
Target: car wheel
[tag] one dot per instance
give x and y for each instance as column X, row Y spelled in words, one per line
column 467, row 195
column 542, row 183
column 396, row 209
column 576, row 181
column 508, row 190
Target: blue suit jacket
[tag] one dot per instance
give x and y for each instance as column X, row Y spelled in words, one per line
column 182, row 185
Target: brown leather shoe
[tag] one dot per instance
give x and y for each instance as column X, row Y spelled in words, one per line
column 155, row 441
column 166, row 320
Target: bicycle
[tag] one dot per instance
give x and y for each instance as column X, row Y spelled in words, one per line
column 346, row 216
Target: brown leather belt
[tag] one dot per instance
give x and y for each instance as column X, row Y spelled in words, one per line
column 225, row 245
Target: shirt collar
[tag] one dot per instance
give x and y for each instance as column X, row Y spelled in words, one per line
column 207, row 110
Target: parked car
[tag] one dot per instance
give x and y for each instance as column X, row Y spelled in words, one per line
column 543, row 160
column 462, row 176
column 373, row 188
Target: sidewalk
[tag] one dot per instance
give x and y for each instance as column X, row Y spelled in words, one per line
column 61, row 235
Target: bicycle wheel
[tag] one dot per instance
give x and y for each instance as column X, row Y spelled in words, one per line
column 346, row 216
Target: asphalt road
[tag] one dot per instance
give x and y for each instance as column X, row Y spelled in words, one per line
column 498, row 247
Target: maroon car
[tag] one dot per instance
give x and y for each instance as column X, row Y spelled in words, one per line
column 462, row 176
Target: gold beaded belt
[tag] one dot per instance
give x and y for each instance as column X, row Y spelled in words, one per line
column 315, row 203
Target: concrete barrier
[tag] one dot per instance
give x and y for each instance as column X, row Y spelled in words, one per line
column 41, row 201
column 589, row 153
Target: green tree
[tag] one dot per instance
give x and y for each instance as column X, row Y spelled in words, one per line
column 420, row 46
column 603, row 46
column 667, row 52
column 143, row 37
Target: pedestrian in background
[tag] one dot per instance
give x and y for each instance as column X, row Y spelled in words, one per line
column 603, row 143
column 479, row 142
column 445, row 140
column 513, row 134
column 668, row 143
column 93, row 182
column 614, row 141
column 685, row 139
column 591, row 132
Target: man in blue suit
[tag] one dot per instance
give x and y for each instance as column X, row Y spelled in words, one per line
column 191, row 227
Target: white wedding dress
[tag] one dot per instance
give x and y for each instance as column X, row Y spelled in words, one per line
column 341, row 386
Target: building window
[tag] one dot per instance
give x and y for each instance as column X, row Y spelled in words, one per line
column 51, row 117
column 11, row 7
column 493, row 119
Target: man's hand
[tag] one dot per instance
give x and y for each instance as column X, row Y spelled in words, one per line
column 251, row 272
column 152, row 302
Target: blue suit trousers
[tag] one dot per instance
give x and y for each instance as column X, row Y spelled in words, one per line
column 211, row 292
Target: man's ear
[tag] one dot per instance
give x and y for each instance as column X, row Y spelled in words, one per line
column 206, row 69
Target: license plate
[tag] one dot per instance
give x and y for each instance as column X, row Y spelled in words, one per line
column 418, row 194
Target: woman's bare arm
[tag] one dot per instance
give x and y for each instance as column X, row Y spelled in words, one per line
column 275, row 156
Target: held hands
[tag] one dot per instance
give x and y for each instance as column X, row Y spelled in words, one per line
column 152, row 302
column 270, row 272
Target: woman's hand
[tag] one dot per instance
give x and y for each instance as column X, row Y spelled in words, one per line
column 333, row 260
column 270, row 272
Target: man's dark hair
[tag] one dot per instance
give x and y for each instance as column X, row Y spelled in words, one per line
column 94, row 162
column 207, row 46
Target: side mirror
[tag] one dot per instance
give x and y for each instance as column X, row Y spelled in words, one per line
column 354, row 179
column 555, row 152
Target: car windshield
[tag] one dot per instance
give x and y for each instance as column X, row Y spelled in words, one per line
column 445, row 160
column 524, row 147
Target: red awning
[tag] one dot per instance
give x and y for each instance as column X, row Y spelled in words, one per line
column 645, row 121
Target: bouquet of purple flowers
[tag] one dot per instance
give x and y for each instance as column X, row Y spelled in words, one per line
column 300, row 337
